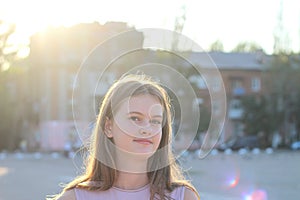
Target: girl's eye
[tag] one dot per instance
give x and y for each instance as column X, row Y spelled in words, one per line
column 156, row 122
column 135, row 119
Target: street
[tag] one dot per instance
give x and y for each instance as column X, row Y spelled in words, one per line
column 259, row 176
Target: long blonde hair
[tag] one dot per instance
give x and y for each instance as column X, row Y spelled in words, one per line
column 101, row 176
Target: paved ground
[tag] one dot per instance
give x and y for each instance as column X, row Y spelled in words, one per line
column 249, row 176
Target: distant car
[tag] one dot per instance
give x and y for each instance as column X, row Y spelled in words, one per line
column 249, row 142
column 226, row 145
column 295, row 145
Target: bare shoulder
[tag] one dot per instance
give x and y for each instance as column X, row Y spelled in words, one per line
column 189, row 194
column 67, row 195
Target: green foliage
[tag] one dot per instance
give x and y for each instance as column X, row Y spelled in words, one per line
column 216, row 46
column 256, row 116
column 297, row 114
column 204, row 121
column 279, row 107
column 6, row 56
column 283, row 91
column 7, row 114
column 9, row 79
column 247, row 47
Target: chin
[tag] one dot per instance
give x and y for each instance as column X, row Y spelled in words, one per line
column 144, row 154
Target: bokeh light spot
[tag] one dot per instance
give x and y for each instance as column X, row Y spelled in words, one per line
column 233, row 182
column 257, row 195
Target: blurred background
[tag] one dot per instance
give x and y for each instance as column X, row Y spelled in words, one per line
column 255, row 45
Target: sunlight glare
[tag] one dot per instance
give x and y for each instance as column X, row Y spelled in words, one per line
column 4, row 28
column 202, row 23
column 5, row 66
column 3, row 171
column 23, row 52
column 35, row 16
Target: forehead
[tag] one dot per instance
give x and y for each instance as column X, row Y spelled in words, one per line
column 146, row 104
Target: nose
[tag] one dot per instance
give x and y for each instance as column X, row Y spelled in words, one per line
column 145, row 131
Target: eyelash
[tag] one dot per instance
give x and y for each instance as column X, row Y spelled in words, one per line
column 137, row 119
column 156, row 122
column 134, row 119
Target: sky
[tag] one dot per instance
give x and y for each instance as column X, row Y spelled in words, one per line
column 230, row 21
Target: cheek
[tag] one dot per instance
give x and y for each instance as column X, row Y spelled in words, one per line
column 119, row 137
column 157, row 139
column 127, row 127
column 122, row 141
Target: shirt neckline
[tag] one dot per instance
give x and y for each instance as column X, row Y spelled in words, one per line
column 132, row 190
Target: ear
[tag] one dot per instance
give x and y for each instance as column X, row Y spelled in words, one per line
column 108, row 127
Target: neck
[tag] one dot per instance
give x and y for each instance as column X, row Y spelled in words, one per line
column 131, row 181
column 131, row 163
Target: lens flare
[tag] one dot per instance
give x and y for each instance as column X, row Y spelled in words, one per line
column 233, row 182
column 257, row 195
column 233, row 178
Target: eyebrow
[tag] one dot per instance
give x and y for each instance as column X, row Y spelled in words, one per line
column 139, row 113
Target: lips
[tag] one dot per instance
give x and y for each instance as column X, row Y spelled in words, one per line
column 143, row 141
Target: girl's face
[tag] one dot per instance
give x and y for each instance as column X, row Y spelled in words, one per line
column 137, row 125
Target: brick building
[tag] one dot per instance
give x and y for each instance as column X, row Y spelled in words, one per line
column 242, row 74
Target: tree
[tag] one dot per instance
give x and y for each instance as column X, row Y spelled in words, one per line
column 247, row 47
column 256, row 115
column 297, row 116
column 283, row 86
column 6, row 113
column 6, row 55
column 278, row 109
column 178, row 27
column 216, row 46
column 204, row 121
column 9, row 79
column 259, row 118
column 280, row 35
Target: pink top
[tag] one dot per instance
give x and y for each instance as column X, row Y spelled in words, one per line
column 117, row 193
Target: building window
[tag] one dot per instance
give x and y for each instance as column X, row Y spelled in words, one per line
column 255, row 84
column 201, row 83
column 237, row 87
column 236, row 83
column 216, row 84
column 198, row 101
column 216, row 107
column 198, row 80
column 235, row 104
